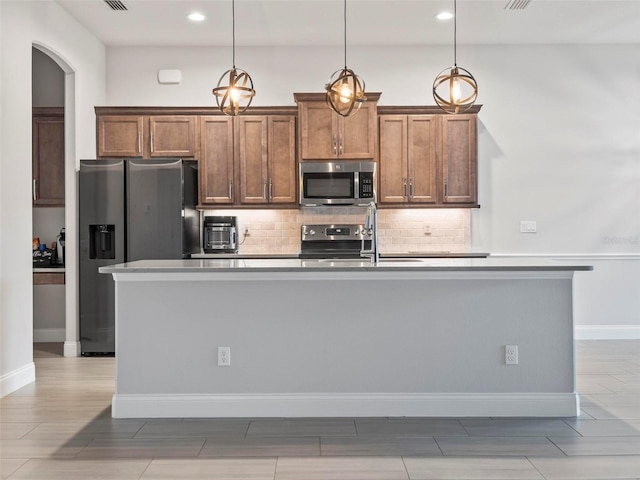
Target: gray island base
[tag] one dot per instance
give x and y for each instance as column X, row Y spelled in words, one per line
column 313, row 338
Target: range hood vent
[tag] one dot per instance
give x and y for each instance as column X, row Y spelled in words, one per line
column 517, row 4
column 115, row 5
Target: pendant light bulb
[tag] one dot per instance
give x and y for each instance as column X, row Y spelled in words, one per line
column 345, row 90
column 346, row 94
column 454, row 89
column 234, row 91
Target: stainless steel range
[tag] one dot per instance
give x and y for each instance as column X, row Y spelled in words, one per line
column 334, row 241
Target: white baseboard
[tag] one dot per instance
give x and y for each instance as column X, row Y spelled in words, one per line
column 607, row 332
column 12, row 381
column 48, row 335
column 347, row 405
column 71, row 349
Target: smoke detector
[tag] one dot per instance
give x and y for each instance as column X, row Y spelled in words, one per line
column 517, row 4
column 116, row 5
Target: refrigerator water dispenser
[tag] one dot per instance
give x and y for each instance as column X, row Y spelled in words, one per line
column 102, row 240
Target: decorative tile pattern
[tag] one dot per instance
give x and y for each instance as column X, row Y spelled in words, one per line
column 399, row 230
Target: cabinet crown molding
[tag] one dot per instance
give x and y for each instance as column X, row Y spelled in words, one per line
column 320, row 97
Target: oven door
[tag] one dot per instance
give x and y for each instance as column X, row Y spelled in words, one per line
column 328, row 188
column 219, row 238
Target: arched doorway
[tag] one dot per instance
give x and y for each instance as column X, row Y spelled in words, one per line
column 71, row 341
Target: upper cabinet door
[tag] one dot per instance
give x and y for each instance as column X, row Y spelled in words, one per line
column 48, row 158
column 120, row 135
column 421, row 154
column 318, row 131
column 282, row 159
column 216, row 163
column 393, row 159
column 172, row 136
column 358, row 136
column 459, row 158
column 252, row 155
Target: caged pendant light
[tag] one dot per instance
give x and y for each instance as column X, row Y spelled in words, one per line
column 345, row 90
column 234, row 92
column 454, row 89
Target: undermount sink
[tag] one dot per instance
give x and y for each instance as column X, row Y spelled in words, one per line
column 332, row 260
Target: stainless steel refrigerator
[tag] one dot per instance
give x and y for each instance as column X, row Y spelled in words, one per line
column 130, row 209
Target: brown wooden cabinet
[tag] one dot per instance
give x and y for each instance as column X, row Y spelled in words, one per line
column 48, row 157
column 249, row 160
column 325, row 135
column 459, row 159
column 267, row 159
column 48, row 278
column 427, row 158
column 146, row 136
column 408, row 159
column 216, row 172
column 172, row 136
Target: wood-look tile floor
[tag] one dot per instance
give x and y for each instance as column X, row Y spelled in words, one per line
column 60, row 428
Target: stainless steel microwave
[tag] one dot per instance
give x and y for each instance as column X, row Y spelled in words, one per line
column 345, row 182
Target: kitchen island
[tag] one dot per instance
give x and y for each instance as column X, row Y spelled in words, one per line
column 314, row 338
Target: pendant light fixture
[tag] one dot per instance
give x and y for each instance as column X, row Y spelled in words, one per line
column 455, row 90
column 235, row 87
column 345, row 90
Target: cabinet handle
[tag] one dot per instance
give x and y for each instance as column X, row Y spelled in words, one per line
column 138, row 142
column 341, row 147
column 270, row 189
column 264, row 190
column 151, row 141
column 411, row 188
column 404, row 184
column 446, row 187
column 335, row 145
column 35, row 197
column 230, row 191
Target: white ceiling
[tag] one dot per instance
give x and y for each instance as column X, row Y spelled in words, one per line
column 370, row 22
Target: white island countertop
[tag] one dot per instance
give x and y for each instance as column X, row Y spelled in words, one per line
column 344, row 265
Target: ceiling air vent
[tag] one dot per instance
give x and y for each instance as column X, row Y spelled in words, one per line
column 517, row 4
column 115, row 5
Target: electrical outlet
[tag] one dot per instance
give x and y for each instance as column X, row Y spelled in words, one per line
column 246, row 232
column 224, row 356
column 528, row 226
column 511, row 354
column 427, row 229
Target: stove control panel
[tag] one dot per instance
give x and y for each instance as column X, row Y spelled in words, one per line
column 334, row 232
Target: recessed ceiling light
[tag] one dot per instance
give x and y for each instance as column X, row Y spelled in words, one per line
column 444, row 15
column 196, row 17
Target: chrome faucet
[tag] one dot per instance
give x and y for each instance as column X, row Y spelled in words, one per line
column 371, row 228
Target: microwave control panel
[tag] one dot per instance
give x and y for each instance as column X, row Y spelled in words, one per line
column 366, row 185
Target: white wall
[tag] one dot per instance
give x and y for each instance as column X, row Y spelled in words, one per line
column 22, row 25
column 559, row 139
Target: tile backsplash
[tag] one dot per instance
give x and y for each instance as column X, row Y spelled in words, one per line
column 399, row 230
